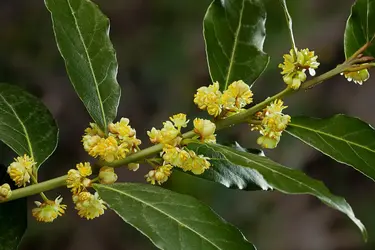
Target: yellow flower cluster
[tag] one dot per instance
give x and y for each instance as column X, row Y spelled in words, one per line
column 185, row 159
column 358, row 77
column 159, row 175
column 88, row 205
column 175, row 156
column 77, row 178
column 295, row 66
column 5, row 192
column 171, row 131
column 120, row 142
column 273, row 123
column 49, row 210
column 230, row 102
column 21, row 169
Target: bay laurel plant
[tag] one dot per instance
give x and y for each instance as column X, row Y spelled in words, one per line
column 234, row 33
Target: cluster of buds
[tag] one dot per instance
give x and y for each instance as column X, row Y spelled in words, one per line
column 273, row 123
column 357, row 77
column 89, row 205
column 295, row 66
column 173, row 154
column 120, row 141
column 20, row 171
column 223, row 104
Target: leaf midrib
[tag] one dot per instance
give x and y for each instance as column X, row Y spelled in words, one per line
column 162, row 212
column 31, row 152
column 235, row 45
column 90, row 65
column 332, row 136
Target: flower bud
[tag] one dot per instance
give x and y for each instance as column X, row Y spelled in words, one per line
column 133, row 166
column 5, row 192
column 204, row 128
column 268, row 142
column 107, row 175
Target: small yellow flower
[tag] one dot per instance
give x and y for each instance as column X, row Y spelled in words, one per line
column 107, row 175
column 308, row 60
column 155, row 135
column 276, row 106
column 209, row 98
column 89, row 206
column 21, row 169
column 74, row 181
column 358, row 77
column 49, row 210
column 122, row 128
column 274, row 122
column 133, row 166
column 5, row 192
column 175, row 156
column 179, row 120
column 268, row 142
column 77, row 180
column 237, row 96
column 106, row 148
column 288, row 65
column 169, row 132
column 295, row 79
column 204, row 128
column 294, row 67
column 159, row 175
column 84, row 169
column 94, row 130
column 196, row 163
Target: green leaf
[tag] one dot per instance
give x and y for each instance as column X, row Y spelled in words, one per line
column 231, row 175
column 13, row 218
column 234, row 32
column 26, row 124
column 171, row 220
column 281, row 178
column 345, row 139
column 360, row 28
column 82, row 36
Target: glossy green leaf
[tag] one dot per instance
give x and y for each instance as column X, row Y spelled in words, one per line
column 82, row 36
column 280, row 178
column 360, row 27
column 26, row 125
column 231, row 175
column 171, row 220
column 234, row 32
column 13, row 218
column 345, row 139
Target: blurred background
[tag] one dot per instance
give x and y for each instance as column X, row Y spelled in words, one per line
column 162, row 62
